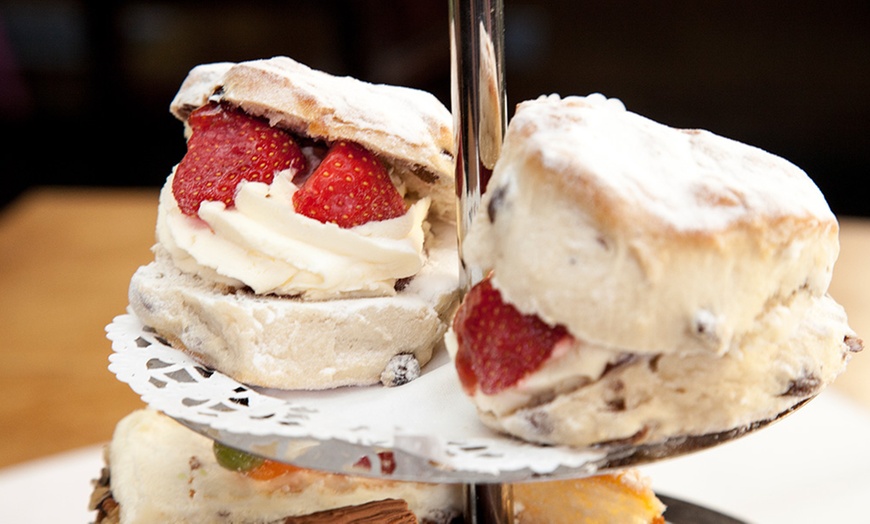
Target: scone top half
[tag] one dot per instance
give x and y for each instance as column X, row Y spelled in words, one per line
column 408, row 129
column 646, row 238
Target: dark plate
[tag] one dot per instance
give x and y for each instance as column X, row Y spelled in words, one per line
column 682, row 512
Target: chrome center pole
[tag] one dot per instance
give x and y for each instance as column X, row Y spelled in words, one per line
column 478, row 105
column 479, row 121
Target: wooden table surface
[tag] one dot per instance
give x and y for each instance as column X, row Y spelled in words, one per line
column 67, row 257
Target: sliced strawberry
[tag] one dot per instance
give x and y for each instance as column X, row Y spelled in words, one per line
column 350, row 187
column 227, row 146
column 498, row 345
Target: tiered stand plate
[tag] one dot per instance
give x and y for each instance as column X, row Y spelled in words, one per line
column 422, row 431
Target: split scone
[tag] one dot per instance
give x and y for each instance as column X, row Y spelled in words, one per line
column 160, row 471
column 306, row 240
column 644, row 284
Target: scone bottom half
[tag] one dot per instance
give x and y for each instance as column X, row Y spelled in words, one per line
column 607, row 319
column 283, row 343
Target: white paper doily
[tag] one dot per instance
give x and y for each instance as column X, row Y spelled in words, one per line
column 430, row 429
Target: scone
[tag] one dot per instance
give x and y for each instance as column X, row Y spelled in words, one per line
column 644, row 284
column 160, row 471
column 306, row 240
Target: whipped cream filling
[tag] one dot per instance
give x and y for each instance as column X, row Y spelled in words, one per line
column 261, row 242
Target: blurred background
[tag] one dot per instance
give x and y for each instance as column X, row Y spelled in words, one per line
column 85, row 86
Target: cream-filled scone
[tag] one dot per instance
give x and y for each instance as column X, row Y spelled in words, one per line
column 306, row 238
column 157, row 470
column 644, row 283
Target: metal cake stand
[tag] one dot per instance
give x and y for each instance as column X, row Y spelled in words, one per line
column 479, row 103
column 218, row 407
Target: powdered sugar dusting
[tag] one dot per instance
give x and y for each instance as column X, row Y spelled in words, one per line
column 384, row 108
column 690, row 179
